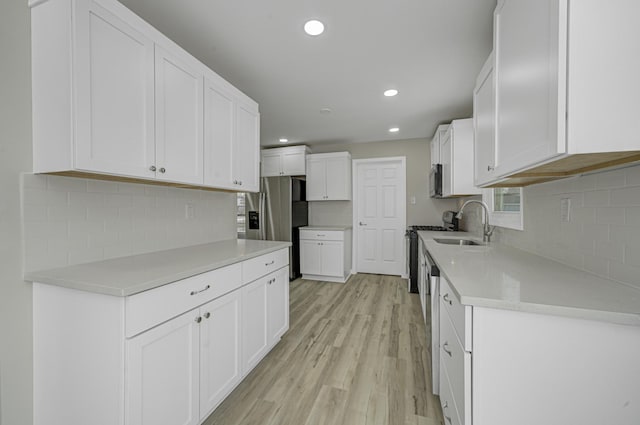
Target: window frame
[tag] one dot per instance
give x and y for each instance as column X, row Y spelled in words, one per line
column 507, row 219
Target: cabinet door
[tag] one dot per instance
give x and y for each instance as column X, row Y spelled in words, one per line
column 316, row 179
column 271, row 165
column 446, row 157
column 220, row 353
column 435, row 150
column 529, row 128
column 484, row 125
column 293, row 164
column 278, row 305
column 179, row 115
column 246, row 159
column 162, row 376
column 254, row 323
column 219, row 122
column 338, row 177
column 332, row 258
column 115, row 95
column 310, row 257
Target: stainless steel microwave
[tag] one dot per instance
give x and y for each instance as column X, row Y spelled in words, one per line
column 435, row 181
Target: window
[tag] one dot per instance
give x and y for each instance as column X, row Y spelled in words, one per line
column 506, row 205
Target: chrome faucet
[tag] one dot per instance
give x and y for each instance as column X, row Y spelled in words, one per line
column 488, row 230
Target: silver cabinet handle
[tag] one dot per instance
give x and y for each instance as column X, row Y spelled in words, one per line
column 321, row 235
column 447, row 418
column 490, row 168
column 268, row 264
column 152, row 168
column 207, row 315
column 362, row 224
column 240, row 182
column 201, row 290
column 444, row 347
column 446, row 404
column 163, row 170
column 271, row 281
column 198, row 319
column 235, row 182
column 446, row 298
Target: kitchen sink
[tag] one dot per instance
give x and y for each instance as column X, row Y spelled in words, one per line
column 460, row 242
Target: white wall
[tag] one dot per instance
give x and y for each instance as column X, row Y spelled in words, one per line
column 425, row 211
column 15, row 157
column 70, row 220
column 603, row 234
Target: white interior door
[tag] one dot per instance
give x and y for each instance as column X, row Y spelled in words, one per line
column 380, row 215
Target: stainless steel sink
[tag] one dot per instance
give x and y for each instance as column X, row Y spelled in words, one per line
column 461, row 242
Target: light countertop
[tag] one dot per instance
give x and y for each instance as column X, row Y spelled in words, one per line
column 326, row 228
column 498, row 276
column 137, row 273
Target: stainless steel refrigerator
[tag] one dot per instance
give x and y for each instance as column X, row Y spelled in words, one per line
column 276, row 213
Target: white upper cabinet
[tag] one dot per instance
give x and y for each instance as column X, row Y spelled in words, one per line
column 484, row 114
column 456, row 156
column 232, row 138
column 566, row 87
column 113, row 96
column 114, row 111
column 438, row 136
column 179, row 115
column 329, row 176
column 287, row 161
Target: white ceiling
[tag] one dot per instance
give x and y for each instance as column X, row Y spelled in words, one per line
column 430, row 50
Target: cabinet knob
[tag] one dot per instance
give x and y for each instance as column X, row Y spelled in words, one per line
column 162, row 170
column 240, row 182
column 198, row 319
column 490, row 168
column 152, row 168
column 235, row 182
column 446, row 298
column 445, row 347
column 207, row 315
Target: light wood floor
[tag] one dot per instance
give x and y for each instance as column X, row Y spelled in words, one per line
column 354, row 354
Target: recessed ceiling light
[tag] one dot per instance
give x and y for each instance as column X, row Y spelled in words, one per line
column 394, row 130
column 390, row 92
column 314, row 27
column 283, row 140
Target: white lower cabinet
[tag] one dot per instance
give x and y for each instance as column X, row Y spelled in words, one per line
column 166, row 356
column 325, row 254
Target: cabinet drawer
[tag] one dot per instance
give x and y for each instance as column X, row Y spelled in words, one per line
column 264, row 264
column 457, row 364
column 149, row 308
column 460, row 315
column 446, row 401
column 322, row 235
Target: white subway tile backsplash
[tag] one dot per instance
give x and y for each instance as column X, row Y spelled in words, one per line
column 603, row 236
column 71, row 220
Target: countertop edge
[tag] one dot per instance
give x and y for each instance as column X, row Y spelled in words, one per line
column 42, row 276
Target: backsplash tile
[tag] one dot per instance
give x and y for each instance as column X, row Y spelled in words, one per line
column 603, row 234
column 71, row 220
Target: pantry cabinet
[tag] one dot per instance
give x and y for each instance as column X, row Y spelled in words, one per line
column 566, row 88
column 329, row 177
column 114, row 98
column 287, row 161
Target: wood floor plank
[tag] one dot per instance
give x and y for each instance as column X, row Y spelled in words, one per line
column 355, row 353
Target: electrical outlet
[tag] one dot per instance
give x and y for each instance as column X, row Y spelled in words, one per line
column 565, row 209
column 189, row 211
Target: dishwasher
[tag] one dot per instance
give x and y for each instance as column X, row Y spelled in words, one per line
column 432, row 319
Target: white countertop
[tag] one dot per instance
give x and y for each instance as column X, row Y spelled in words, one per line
column 326, row 228
column 130, row 275
column 498, row 276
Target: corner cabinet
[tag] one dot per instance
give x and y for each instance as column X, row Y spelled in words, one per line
column 166, row 356
column 329, row 176
column 146, row 121
column 566, row 88
column 456, row 156
column 287, row 161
